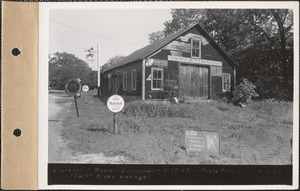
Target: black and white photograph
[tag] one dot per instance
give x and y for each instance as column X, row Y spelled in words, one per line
column 171, row 86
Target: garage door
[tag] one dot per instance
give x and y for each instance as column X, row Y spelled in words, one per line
column 193, row 81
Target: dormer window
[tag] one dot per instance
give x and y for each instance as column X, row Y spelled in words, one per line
column 195, row 48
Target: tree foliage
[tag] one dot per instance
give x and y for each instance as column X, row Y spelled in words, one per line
column 155, row 36
column 112, row 61
column 260, row 41
column 64, row 67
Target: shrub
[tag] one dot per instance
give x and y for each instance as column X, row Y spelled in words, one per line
column 158, row 109
column 244, row 92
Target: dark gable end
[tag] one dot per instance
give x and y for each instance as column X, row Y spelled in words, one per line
column 152, row 48
column 215, row 45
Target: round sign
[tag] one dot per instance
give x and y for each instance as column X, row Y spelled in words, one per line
column 85, row 88
column 115, row 103
column 150, row 62
column 73, row 87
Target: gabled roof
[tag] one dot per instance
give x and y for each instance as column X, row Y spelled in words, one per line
column 150, row 49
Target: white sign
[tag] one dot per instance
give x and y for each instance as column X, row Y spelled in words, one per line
column 90, row 54
column 85, row 88
column 115, row 103
column 194, row 61
column 157, row 62
column 149, row 62
column 161, row 63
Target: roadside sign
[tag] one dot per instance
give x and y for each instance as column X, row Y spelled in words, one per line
column 73, row 88
column 85, row 88
column 202, row 141
column 115, row 103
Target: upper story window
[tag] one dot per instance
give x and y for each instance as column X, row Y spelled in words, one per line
column 133, row 79
column 125, row 80
column 157, row 78
column 195, row 48
column 226, row 82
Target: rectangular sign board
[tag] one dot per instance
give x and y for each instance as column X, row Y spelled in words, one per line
column 194, row 61
column 202, row 141
column 161, row 63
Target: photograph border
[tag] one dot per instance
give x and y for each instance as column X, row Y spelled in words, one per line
column 44, row 8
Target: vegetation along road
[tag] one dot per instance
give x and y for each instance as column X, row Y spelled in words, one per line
column 152, row 132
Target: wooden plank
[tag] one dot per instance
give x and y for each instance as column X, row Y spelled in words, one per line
column 194, row 61
column 175, row 53
column 216, row 71
column 193, row 81
column 179, row 46
column 194, row 36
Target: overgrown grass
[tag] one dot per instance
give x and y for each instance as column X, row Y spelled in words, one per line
column 158, row 109
column 153, row 132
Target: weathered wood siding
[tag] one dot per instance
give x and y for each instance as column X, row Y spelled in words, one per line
column 194, row 81
column 200, row 77
column 170, row 72
column 116, row 83
column 195, row 77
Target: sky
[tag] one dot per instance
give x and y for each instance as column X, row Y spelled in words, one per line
column 119, row 31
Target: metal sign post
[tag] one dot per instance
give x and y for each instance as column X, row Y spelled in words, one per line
column 98, row 66
column 75, row 98
column 115, row 104
column 73, row 88
column 115, row 123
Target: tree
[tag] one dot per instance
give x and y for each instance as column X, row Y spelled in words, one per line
column 155, row 36
column 112, row 61
column 64, row 67
column 260, row 41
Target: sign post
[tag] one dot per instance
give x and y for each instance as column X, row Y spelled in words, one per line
column 115, row 104
column 115, row 123
column 73, row 88
column 93, row 56
column 85, row 88
column 99, row 68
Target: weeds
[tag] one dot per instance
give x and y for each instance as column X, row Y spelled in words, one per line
column 158, row 109
column 153, row 132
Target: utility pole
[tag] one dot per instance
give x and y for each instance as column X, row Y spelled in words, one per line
column 99, row 68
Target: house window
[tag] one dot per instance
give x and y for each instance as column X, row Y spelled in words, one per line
column 109, row 86
column 195, row 48
column 117, row 83
column 226, row 82
column 124, row 80
column 157, row 78
column 133, row 79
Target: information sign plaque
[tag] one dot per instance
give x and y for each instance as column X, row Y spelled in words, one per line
column 202, row 141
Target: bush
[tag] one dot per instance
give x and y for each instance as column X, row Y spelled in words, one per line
column 162, row 94
column 158, row 109
column 244, row 92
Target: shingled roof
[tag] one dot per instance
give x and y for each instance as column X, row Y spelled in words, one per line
column 150, row 49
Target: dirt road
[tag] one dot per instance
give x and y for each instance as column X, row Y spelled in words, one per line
column 59, row 105
column 58, row 150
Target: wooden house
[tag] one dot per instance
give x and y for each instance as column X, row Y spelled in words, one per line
column 188, row 63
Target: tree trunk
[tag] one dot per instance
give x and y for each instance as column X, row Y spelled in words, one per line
column 284, row 56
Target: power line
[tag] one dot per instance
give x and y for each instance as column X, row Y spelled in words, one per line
column 97, row 35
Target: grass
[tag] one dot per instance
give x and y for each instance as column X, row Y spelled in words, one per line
column 153, row 132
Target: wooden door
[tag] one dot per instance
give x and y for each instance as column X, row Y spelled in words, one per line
column 193, row 81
